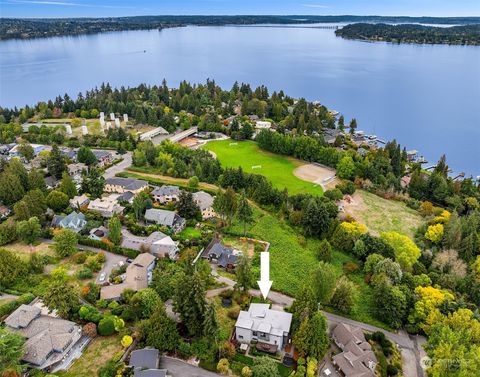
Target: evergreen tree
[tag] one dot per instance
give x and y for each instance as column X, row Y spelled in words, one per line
column 36, row 180
column 86, row 156
column 186, row 206
column 210, row 323
column 93, row 183
column 115, row 230
column 67, row 186
column 56, row 162
column 244, row 212
column 160, row 332
column 62, row 297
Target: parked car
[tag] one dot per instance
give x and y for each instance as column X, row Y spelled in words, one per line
column 102, row 277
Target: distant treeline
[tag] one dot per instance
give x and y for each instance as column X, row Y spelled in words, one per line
column 409, row 33
column 11, row 28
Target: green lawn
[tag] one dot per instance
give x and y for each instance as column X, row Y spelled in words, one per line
column 382, row 215
column 278, row 169
column 189, row 232
column 293, row 259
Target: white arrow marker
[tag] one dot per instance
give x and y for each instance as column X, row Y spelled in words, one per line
column 264, row 283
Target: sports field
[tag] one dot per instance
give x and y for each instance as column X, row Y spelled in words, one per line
column 278, row 169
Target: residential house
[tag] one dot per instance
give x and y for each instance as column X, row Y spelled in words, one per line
column 122, row 185
column 127, row 197
column 262, row 125
column 165, row 218
column 48, row 339
column 166, row 194
column 138, row 276
column 79, row 201
column 104, row 158
column 357, row 358
column 107, row 207
column 270, row 328
column 157, row 243
column 37, row 148
column 51, row 182
column 4, row 212
column 224, row 256
column 75, row 171
column 69, row 153
column 98, row 234
column 74, row 221
column 204, row 202
column 145, row 362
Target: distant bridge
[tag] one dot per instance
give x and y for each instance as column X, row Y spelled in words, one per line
column 175, row 138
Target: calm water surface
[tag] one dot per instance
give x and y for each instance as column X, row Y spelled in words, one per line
column 427, row 97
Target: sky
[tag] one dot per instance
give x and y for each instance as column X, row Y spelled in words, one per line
column 115, row 8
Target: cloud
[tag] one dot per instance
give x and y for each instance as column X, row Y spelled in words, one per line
column 315, row 6
column 64, row 3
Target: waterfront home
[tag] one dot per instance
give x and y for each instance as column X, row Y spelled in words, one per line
column 48, row 339
column 138, row 276
column 74, row 221
column 122, row 185
column 106, row 207
column 166, row 194
column 166, row 218
column 98, row 234
column 157, row 243
column 79, row 201
column 145, row 362
column 269, row 328
column 104, row 158
column 204, row 202
column 223, row 256
column 357, row 357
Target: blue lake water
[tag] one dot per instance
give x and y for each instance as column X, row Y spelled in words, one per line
column 427, row 97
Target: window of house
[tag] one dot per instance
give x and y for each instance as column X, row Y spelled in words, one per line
column 240, row 336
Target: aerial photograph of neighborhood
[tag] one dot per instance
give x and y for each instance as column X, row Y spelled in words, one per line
column 256, row 188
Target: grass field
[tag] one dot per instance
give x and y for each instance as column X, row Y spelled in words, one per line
column 278, row 169
column 382, row 215
column 292, row 260
column 95, row 356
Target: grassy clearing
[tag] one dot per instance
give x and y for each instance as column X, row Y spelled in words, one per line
column 226, row 324
column 97, row 354
column 278, row 169
column 382, row 215
column 23, row 250
column 189, row 233
column 293, row 259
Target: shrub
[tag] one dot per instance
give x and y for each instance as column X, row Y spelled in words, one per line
column 126, row 341
column 246, row 372
column 392, row 370
column 79, row 258
column 227, row 350
column 223, row 366
column 233, row 313
column 85, row 273
column 350, row 267
column 90, row 329
column 106, row 326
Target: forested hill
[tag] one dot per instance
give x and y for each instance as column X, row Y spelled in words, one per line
column 410, row 33
column 11, row 28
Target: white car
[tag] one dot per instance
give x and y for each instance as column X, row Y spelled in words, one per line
column 102, row 277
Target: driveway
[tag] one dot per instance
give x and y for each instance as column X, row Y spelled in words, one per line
column 178, row 368
column 121, row 166
column 111, row 262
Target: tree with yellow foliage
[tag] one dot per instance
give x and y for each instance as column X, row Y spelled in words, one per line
column 434, row 233
column 406, row 252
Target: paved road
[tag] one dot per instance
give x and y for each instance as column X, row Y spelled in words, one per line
column 178, row 368
column 114, row 169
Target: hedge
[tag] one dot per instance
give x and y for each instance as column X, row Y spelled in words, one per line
column 130, row 253
column 9, row 307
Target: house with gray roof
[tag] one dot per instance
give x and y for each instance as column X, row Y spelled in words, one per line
column 224, row 256
column 48, row 339
column 204, row 202
column 158, row 244
column 357, row 358
column 166, row 194
column 270, row 328
column 74, row 221
column 165, row 218
column 122, row 185
column 145, row 363
column 104, row 158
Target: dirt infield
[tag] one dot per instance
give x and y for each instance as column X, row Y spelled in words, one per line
column 320, row 175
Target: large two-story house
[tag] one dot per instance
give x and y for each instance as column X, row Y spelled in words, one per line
column 157, row 243
column 166, row 194
column 74, row 221
column 269, row 328
column 48, row 338
column 123, row 185
column 204, row 202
